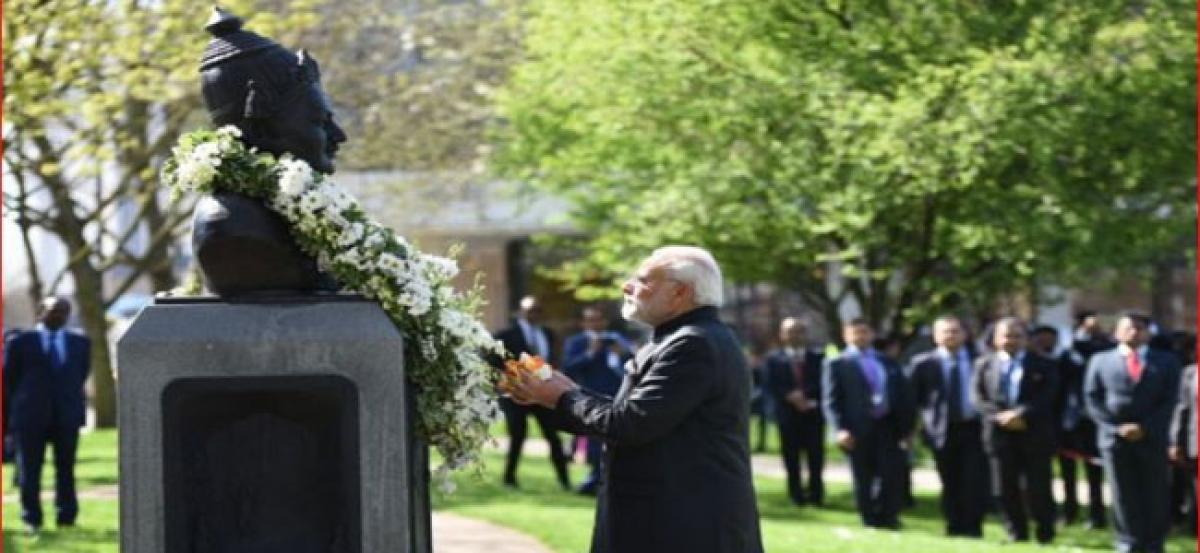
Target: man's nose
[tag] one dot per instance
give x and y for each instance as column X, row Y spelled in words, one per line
column 627, row 288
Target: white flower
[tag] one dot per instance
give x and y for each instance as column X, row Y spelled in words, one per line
column 310, row 202
column 351, row 234
column 444, row 268
column 230, row 130
column 294, row 176
column 412, row 287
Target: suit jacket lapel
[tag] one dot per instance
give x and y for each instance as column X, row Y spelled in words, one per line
column 642, row 357
column 856, row 367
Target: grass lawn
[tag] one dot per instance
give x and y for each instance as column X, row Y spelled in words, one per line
column 563, row 521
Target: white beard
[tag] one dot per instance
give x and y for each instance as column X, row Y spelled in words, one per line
column 629, row 311
column 635, row 313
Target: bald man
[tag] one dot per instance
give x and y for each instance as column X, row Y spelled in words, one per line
column 1014, row 391
column 794, row 383
column 44, row 372
column 527, row 335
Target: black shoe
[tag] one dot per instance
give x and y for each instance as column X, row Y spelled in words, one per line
column 65, row 525
column 587, row 489
column 33, row 530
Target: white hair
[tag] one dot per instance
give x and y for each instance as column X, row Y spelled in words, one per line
column 696, row 267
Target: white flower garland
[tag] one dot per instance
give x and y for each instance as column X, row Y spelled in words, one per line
column 444, row 340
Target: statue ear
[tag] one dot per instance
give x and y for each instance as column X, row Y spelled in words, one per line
column 259, row 102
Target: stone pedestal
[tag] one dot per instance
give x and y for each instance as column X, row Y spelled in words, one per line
column 268, row 427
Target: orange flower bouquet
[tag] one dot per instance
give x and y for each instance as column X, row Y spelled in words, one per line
column 530, row 364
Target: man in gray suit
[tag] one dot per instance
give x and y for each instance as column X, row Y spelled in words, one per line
column 677, row 461
column 1131, row 392
column 1014, row 391
column 1183, row 437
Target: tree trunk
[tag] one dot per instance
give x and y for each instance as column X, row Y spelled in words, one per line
column 161, row 270
column 90, row 304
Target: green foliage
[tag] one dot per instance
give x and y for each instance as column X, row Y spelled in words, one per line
column 96, row 92
column 935, row 155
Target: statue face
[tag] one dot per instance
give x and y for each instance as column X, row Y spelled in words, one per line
column 305, row 128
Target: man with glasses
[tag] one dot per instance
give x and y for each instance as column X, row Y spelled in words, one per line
column 677, row 431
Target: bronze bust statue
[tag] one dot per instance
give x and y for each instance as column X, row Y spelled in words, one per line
column 275, row 98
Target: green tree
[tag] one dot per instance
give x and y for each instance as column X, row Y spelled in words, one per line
column 96, row 93
column 933, row 155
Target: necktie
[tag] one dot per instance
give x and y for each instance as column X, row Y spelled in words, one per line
column 798, row 370
column 1006, row 382
column 954, row 397
column 872, row 367
column 532, row 342
column 56, row 358
column 1133, row 364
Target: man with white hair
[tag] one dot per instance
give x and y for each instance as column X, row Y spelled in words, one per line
column 677, row 458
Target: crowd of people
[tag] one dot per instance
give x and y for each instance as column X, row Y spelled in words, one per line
column 995, row 414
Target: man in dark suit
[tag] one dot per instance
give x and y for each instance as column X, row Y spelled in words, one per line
column 1077, row 433
column 1014, row 391
column 526, row 335
column 595, row 359
column 869, row 403
column 941, row 382
column 678, row 457
column 1131, row 393
column 793, row 381
column 1183, row 438
column 44, row 372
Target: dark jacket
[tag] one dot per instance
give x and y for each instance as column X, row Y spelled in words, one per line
column 1035, row 401
column 846, row 397
column 677, row 465
column 928, row 379
column 1114, row 399
column 781, row 380
column 35, row 394
column 591, row 369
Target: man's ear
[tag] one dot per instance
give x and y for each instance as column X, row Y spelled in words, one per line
column 686, row 292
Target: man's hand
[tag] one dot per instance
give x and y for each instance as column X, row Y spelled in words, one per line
column 595, row 344
column 1131, row 431
column 1011, row 420
column 528, row 389
column 1173, row 453
column 845, row 440
column 799, row 400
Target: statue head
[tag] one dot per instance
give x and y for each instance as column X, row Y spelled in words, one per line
column 274, row 96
